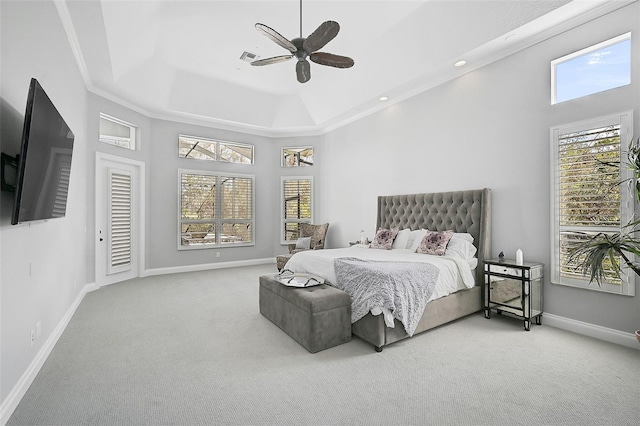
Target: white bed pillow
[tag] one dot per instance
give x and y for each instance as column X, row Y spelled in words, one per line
column 401, row 239
column 461, row 248
column 473, row 263
column 463, row 236
column 415, row 238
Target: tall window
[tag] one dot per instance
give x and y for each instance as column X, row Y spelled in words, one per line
column 117, row 132
column 216, row 210
column 597, row 68
column 214, row 150
column 587, row 198
column 297, row 205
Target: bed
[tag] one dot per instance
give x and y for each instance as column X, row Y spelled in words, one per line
column 464, row 212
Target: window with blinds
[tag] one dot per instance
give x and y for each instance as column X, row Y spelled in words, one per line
column 297, row 205
column 213, row 150
column 215, row 210
column 587, row 195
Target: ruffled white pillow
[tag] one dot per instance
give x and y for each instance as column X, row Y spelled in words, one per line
column 461, row 248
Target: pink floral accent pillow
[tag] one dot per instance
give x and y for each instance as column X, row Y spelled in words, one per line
column 384, row 239
column 435, row 243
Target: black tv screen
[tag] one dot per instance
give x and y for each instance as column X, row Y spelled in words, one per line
column 44, row 161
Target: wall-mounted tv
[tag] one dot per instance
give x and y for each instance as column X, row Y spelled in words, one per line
column 44, row 161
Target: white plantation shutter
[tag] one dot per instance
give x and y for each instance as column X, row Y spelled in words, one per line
column 119, row 222
column 587, row 196
column 236, row 207
column 297, row 205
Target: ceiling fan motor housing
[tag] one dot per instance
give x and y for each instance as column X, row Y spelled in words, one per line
column 300, row 53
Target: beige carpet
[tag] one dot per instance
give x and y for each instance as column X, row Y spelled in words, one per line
column 193, row 349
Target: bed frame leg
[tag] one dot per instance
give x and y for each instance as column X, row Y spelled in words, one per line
column 378, row 348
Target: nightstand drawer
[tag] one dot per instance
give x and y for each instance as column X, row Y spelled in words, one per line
column 532, row 274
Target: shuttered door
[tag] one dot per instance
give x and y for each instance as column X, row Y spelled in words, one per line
column 119, row 222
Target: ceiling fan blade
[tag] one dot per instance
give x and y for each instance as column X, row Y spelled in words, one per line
column 303, row 70
column 321, row 36
column 274, row 60
column 331, row 60
column 276, row 37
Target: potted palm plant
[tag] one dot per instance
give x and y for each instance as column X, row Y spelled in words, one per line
column 604, row 254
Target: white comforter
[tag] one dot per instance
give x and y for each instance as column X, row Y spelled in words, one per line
column 455, row 273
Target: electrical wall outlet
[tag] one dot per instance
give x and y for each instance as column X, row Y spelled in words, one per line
column 217, row 254
column 33, row 336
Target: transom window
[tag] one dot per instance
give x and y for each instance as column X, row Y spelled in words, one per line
column 216, row 210
column 117, row 132
column 297, row 157
column 214, row 150
column 601, row 67
column 587, row 197
column 296, row 194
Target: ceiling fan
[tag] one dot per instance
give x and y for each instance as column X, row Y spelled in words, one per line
column 303, row 48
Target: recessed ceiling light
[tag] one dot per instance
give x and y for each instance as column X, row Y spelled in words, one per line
column 460, row 63
column 383, row 98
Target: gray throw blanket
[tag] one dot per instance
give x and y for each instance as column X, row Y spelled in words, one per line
column 401, row 287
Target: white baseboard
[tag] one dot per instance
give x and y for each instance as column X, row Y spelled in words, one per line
column 602, row 333
column 207, row 266
column 13, row 399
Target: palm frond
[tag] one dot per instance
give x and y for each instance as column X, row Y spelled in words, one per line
column 599, row 256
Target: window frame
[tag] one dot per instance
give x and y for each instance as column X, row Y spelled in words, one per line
column 627, row 203
column 580, row 53
column 284, row 221
column 217, row 220
column 219, row 143
column 133, row 132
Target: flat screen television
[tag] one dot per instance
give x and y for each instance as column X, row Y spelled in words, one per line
column 44, row 161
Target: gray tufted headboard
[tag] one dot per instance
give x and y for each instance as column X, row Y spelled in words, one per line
column 460, row 211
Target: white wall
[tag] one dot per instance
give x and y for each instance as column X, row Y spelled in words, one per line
column 489, row 128
column 34, row 44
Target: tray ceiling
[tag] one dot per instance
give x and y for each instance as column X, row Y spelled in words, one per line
column 182, row 59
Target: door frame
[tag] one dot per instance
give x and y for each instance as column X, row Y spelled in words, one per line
column 138, row 216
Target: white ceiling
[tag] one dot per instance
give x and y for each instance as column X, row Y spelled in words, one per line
column 181, row 59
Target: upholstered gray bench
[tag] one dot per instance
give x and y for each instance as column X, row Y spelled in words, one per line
column 317, row 317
